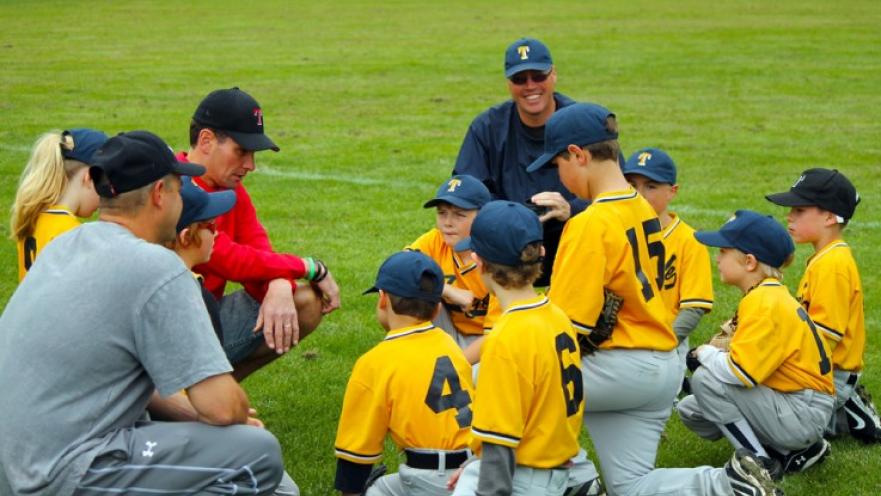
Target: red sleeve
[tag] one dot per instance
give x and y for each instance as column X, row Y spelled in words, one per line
column 243, row 254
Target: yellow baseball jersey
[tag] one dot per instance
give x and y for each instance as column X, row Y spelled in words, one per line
column 415, row 385
column 776, row 344
column 460, row 274
column 531, row 394
column 831, row 292
column 51, row 223
column 616, row 244
column 688, row 279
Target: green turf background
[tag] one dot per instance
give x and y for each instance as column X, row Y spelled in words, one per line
column 369, row 103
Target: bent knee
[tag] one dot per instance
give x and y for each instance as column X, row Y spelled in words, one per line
column 308, row 304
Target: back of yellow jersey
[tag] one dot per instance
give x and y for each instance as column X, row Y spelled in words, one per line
column 776, row 344
column 688, row 277
column 415, row 385
column 51, row 223
column 462, row 274
column 531, row 394
column 615, row 244
column 832, row 293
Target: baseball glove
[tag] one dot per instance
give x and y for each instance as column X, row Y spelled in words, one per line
column 722, row 339
column 589, row 343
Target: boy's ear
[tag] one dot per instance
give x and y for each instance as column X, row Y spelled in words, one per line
column 477, row 260
column 830, row 219
column 183, row 238
column 583, row 156
column 751, row 262
column 383, row 300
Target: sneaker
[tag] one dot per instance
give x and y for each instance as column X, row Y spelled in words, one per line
column 863, row 421
column 590, row 488
column 748, row 476
column 801, row 460
column 773, row 466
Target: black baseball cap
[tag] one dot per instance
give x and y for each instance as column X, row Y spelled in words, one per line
column 401, row 275
column 131, row 160
column 237, row 114
column 824, row 188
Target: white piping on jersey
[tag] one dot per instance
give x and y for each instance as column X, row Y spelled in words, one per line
column 459, row 264
column 581, row 328
column 673, row 225
column 625, row 196
column 742, row 374
column 824, row 251
column 527, row 306
column 365, row 458
column 495, row 436
column 58, row 211
column 407, row 333
column 832, row 333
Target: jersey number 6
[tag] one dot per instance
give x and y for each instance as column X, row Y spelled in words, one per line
column 445, row 373
column 571, row 374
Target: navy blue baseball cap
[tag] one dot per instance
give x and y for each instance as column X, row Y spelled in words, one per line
column 579, row 124
column 824, row 188
column 752, row 233
column 199, row 205
column 652, row 163
column 237, row 114
column 81, row 144
column 500, row 232
column 402, row 275
column 527, row 54
column 131, row 160
column 462, row 191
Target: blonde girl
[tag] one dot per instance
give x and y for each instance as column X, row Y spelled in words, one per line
column 54, row 190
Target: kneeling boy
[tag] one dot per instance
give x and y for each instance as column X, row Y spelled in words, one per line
column 415, row 385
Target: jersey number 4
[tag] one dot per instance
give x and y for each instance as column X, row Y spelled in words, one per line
column 655, row 249
column 445, row 374
column 571, row 374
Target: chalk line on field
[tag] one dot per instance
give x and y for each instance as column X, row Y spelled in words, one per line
column 361, row 181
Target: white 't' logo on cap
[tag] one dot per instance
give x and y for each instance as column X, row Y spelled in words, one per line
column 523, row 51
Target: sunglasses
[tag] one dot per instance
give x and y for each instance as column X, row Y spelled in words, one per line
column 537, row 77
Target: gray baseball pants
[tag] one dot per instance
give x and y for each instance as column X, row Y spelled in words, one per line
column 628, row 399
column 782, row 421
column 527, row 481
column 188, row 458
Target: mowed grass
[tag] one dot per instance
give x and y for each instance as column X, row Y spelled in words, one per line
column 369, row 103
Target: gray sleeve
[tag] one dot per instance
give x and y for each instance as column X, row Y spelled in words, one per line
column 496, row 470
column 174, row 338
column 686, row 321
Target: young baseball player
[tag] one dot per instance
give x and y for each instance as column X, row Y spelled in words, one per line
column 196, row 230
column 822, row 202
column 54, row 189
column 772, row 389
column 528, row 414
column 466, row 301
column 630, row 366
column 687, row 286
column 415, row 385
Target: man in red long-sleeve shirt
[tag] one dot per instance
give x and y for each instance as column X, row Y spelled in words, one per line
column 272, row 313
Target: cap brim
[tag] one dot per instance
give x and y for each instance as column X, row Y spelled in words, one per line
column 219, row 203
column 532, row 66
column 713, row 238
column 373, row 289
column 188, row 169
column 254, row 142
column 789, row 199
column 540, row 162
column 463, row 245
column 642, row 172
column 452, row 200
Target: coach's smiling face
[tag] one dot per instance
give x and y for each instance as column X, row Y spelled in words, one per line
column 534, row 100
column 226, row 162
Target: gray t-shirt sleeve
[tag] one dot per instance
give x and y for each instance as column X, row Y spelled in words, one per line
column 174, row 339
column 686, row 321
column 496, row 470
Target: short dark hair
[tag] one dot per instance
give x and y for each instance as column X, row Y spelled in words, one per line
column 604, row 150
column 510, row 277
column 413, row 307
column 196, row 127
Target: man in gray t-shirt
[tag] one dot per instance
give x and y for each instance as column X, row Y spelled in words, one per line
column 107, row 323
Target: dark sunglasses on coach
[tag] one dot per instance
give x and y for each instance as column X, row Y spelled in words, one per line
column 536, row 76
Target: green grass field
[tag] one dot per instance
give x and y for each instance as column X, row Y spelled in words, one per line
column 369, row 104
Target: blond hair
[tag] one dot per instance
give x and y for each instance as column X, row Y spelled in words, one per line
column 43, row 181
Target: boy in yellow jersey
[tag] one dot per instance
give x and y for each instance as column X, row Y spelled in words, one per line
column 823, row 202
column 528, row 413
column 772, row 390
column 466, row 301
column 415, row 385
column 688, row 282
column 631, row 378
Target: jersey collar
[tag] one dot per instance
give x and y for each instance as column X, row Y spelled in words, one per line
column 610, row 196
column 673, row 225
column 838, row 243
column 536, row 302
column 461, row 266
column 59, row 209
column 770, row 281
column 407, row 331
